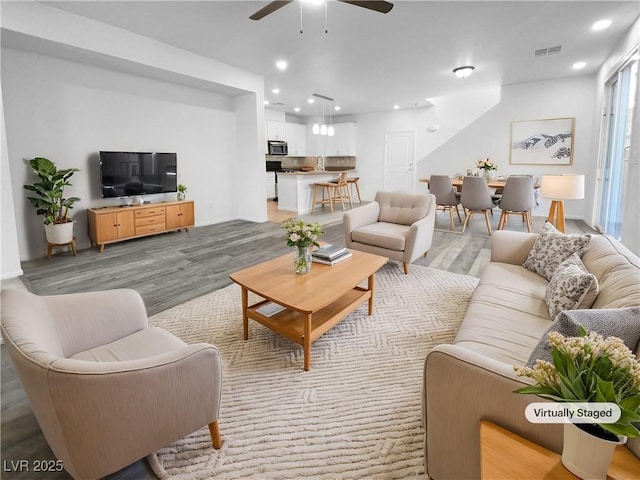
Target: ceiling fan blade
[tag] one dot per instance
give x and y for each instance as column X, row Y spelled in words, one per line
column 270, row 8
column 378, row 6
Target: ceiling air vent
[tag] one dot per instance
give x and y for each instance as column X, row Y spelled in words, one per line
column 547, row 51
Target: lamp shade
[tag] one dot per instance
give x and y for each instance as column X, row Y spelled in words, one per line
column 562, row 187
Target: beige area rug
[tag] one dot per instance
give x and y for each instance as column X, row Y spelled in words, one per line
column 355, row 415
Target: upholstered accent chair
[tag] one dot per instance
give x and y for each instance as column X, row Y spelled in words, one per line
column 476, row 198
column 517, row 198
column 446, row 196
column 106, row 388
column 397, row 225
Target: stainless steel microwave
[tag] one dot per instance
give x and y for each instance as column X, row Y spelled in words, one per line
column 276, row 147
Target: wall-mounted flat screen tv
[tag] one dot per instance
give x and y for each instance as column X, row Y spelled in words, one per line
column 137, row 173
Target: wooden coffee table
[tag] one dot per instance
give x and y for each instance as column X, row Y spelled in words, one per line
column 314, row 302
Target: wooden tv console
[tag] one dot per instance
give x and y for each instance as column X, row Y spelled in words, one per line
column 115, row 224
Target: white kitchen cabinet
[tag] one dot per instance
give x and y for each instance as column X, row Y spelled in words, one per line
column 271, row 184
column 296, row 135
column 343, row 143
column 276, row 130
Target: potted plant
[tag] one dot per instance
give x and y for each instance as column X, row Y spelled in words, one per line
column 50, row 201
column 182, row 191
column 589, row 369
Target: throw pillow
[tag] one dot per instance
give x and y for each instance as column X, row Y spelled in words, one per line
column 551, row 248
column 623, row 323
column 572, row 286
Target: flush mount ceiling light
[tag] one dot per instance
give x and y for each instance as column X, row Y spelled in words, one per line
column 600, row 25
column 579, row 65
column 463, row 72
column 276, row 91
column 296, row 109
column 281, row 65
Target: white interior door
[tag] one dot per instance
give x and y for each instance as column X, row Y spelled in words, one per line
column 399, row 161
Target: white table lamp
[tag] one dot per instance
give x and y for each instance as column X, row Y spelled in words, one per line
column 559, row 188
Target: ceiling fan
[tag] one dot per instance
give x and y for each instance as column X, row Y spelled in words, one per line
column 375, row 5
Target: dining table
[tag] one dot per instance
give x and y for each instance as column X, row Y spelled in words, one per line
column 493, row 183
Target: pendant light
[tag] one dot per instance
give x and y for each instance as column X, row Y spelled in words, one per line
column 323, row 128
column 316, row 128
column 330, row 131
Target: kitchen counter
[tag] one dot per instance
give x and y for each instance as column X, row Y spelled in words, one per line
column 295, row 188
column 316, row 172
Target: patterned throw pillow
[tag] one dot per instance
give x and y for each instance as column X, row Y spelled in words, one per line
column 623, row 323
column 551, row 248
column 571, row 287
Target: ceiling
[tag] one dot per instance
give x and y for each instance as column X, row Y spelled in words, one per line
column 370, row 61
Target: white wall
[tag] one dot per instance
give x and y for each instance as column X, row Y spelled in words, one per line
column 451, row 113
column 75, row 110
column 55, row 115
column 10, row 253
column 489, row 135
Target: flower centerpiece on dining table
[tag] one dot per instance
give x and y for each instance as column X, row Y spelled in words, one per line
column 302, row 236
column 487, row 166
column 589, row 369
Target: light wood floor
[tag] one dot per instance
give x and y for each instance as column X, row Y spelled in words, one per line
column 170, row 269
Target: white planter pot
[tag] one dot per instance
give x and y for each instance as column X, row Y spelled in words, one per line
column 586, row 455
column 59, row 233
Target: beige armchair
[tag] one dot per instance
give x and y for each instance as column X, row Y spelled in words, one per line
column 397, row 225
column 106, row 388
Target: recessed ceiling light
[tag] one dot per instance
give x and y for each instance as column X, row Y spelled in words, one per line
column 281, row 65
column 266, row 102
column 276, row 91
column 337, row 108
column 297, row 109
column 463, row 72
column 311, row 100
column 396, row 107
column 579, row 65
column 600, row 25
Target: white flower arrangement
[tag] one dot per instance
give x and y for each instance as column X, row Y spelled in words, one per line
column 300, row 234
column 590, row 368
column 486, row 164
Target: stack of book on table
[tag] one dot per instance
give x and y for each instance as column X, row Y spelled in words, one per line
column 330, row 254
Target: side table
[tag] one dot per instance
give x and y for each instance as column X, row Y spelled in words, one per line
column 505, row 455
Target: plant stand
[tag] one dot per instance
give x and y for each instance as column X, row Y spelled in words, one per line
column 51, row 246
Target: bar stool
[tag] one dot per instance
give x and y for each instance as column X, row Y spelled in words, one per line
column 351, row 181
column 341, row 190
column 325, row 188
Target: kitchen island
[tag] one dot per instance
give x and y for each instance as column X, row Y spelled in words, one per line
column 295, row 188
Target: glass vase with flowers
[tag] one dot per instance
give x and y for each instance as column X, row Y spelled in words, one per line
column 302, row 236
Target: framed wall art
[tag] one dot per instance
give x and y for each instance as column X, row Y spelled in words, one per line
column 542, row 142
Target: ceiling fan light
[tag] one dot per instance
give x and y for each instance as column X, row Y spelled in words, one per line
column 323, row 129
column 463, row 72
column 331, row 131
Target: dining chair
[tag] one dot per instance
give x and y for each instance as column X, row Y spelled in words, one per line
column 446, row 197
column 518, row 198
column 476, row 198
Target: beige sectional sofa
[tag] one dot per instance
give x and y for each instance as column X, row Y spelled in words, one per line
column 473, row 378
